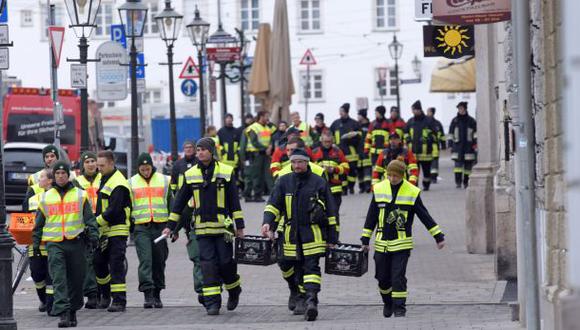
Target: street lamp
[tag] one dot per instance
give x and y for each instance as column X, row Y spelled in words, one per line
column 169, row 23
column 198, row 31
column 82, row 14
column 133, row 14
column 396, row 51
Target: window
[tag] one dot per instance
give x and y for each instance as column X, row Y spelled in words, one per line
column 150, row 23
column 152, row 96
column 104, row 20
column 386, row 14
column 313, row 88
column 250, row 15
column 59, row 14
column 309, row 16
column 26, row 18
column 386, row 87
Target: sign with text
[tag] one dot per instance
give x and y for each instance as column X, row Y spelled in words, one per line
column 423, row 10
column 469, row 12
column 111, row 76
column 78, row 76
column 4, row 59
column 450, row 41
column 223, row 55
column 4, row 34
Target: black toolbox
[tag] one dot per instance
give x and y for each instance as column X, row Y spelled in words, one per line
column 255, row 250
column 346, row 260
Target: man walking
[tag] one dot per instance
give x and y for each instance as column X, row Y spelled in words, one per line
column 258, row 151
column 396, row 150
column 463, row 143
column 441, row 143
column 365, row 165
column 347, row 136
column 64, row 216
column 151, row 203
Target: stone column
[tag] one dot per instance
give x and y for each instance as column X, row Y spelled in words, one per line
column 480, row 202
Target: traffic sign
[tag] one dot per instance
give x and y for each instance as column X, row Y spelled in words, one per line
column 308, row 58
column 4, row 34
column 56, row 34
column 111, row 76
column 118, row 34
column 423, row 10
column 190, row 70
column 4, row 59
column 188, row 87
column 223, row 54
column 4, row 16
column 140, row 72
column 78, row 76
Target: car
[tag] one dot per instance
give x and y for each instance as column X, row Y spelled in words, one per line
column 21, row 159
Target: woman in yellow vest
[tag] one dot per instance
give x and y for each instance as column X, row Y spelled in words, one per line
column 64, row 216
column 393, row 207
column 151, row 198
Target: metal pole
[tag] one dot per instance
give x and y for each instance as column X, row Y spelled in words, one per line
column 172, row 120
column 307, row 96
column 397, row 79
column 84, row 49
column 134, row 110
column 223, row 92
column 53, row 79
column 242, row 91
column 525, row 159
column 202, row 111
column 7, row 320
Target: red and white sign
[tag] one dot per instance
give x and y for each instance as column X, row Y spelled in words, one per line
column 56, row 35
column 190, row 70
column 470, row 12
column 308, row 58
column 223, row 55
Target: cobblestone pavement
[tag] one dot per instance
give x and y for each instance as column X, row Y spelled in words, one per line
column 448, row 289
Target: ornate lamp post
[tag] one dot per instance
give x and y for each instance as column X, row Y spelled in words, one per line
column 169, row 23
column 82, row 14
column 396, row 51
column 198, row 32
column 133, row 14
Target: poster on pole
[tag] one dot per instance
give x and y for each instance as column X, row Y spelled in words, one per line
column 111, row 75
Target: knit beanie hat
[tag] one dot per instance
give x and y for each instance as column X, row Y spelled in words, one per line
column 398, row 167
column 345, row 107
column 50, row 148
column 207, row 144
column 299, row 154
column 144, row 159
column 417, row 105
column 61, row 165
column 188, row 143
column 88, row 155
column 362, row 112
column 381, row 109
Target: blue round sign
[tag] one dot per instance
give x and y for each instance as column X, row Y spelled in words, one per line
column 189, row 87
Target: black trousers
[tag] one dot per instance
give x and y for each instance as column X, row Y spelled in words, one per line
column 391, row 268
column 110, row 268
column 434, row 169
column 425, row 167
column 462, row 171
column 365, row 169
column 301, row 275
column 352, row 173
column 41, row 278
column 217, row 266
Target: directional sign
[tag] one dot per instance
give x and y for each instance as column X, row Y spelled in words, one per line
column 78, row 76
column 111, row 76
column 140, row 66
column 56, row 34
column 118, row 34
column 189, row 87
column 190, row 70
column 4, row 59
column 423, row 10
column 308, row 58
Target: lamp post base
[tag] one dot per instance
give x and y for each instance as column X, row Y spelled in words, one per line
column 7, row 321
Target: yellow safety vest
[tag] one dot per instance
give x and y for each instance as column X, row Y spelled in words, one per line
column 33, row 203
column 149, row 198
column 118, row 179
column 63, row 215
column 91, row 188
column 305, row 133
column 264, row 134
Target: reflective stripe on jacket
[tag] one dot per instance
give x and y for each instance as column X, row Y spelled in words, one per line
column 149, row 198
column 64, row 215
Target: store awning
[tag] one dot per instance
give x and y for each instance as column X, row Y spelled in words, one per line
column 454, row 76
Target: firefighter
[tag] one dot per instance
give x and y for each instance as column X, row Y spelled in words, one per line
column 305, row 203
column 217, row 213
column 332, row 159
column 113, row 217
column 39, row 263
column 177, row 180
column 280, row 133
column 151, row 202
column 89, row 181
column 396, row 150
column 395, row 203
column 377, row 137
column 463, row 144
column 347, row 135
column 442, row 145
column 229, row 139
column 50, row 155
column 257, row 157
column 306, row 132
column 364, row 164
column 280, row 157
column 64, row 216
column 421, row 139
column 211, row 132
column 319, row 129
column 397, row 125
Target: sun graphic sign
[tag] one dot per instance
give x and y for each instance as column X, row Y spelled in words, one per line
column 450, row 41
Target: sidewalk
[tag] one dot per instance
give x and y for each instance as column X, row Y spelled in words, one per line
column 448, row 289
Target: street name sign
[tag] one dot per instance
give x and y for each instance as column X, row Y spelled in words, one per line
column 111, row 76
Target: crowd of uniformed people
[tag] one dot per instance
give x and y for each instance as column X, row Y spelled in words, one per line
column 83, row 220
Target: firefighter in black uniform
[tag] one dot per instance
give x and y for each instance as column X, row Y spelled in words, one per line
column 393, row 207
column 229, row 138
column 365, row 165
column 463, row 144
column 304, row 202
column 215, row 205
column 441, row 141
column 347, row 135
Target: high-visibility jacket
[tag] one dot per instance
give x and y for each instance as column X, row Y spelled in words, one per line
column 229, row 139
column 91, row 187
column 63, row 215
column 33, row 203
column 263, row 133
column 316, row 169
column 463, row 138
column 305, row 133
column 149, row 198
column 332, row 157
column 212, row 214
column 392, row 217
column 389, row 154
column 121, row 226
column 377, row 137
column 281, row 159
column 421, row 137
column 349, row 146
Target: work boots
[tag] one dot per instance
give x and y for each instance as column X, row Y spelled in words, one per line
column 399, row 307
column 388, row 307
column 157, row 296
column 65, row 320
column 458, row 180
column 91, row 301
column 292, row 300
column 213, row 304
column 73, row 319
column 104, row 292
column 116, row 307
column 465, row 181
column 42, row 297
column 311, row 306
column 234, row 298
column 149, row 299
column 300, row 307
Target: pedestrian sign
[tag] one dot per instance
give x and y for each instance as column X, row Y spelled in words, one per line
column 190, row 70
column 189, row 87
column 56, row 34
column 308, row 58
